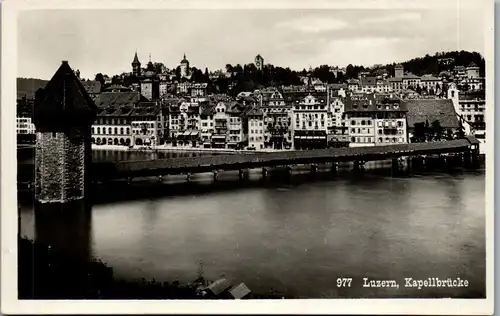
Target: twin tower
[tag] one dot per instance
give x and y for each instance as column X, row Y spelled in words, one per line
column 63, row 116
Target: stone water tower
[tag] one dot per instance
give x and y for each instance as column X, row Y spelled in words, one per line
column 63, row 116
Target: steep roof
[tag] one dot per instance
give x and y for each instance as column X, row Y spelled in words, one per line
column 116, row 99
column 368, row 81
column 63, row 102
column 208, row 110
column 92, row 86
column 472, row 65
column 429, row 78
column 422, row 110
column 136, row 60
column 374, row 103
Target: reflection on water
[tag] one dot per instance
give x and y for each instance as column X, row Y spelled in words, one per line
column 295, row 237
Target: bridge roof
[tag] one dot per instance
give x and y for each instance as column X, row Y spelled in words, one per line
column 235, row 161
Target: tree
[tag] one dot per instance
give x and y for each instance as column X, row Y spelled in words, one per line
column 437, row 130
column 100, row 77
column 419, row 90
column 419, row 132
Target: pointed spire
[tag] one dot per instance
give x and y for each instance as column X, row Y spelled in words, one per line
column 136, row 59
column 149, row 57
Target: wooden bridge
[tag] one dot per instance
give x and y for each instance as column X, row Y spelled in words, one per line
column 129, row 169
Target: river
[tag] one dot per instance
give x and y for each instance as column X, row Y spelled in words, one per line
column 294, row 236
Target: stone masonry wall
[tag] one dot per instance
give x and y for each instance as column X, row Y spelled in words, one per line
column 60, row 167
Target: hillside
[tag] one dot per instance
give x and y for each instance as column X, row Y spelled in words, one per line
column 26, row 87
column 440, row 62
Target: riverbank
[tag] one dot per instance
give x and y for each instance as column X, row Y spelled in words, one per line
column 179, row 149
column 59, row 276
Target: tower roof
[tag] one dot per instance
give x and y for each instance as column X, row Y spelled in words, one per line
column 398, row 66
column 63, row 103
column 184, row 60
column 136, row 60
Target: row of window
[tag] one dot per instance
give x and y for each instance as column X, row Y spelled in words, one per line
column 110, row 130
column 309, row 107
column 256, row 131
column 257, row 139
column 310, row 116
column 367, row 140
column 255, row 123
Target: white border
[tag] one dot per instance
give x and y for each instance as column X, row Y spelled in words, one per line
column 10, row 303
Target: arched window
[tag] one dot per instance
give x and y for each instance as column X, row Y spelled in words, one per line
column 121, row 130
column 128, row 130
column 116, row 130
column 109, row 130
column 98, row 130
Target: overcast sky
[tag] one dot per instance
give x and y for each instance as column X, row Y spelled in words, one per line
column 105, row 41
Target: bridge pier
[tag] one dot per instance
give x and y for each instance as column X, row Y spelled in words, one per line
column 240, row 174
column 358, row 165
column 160, row 178
column 335, row 167
column 264, row 172
column 314, row 168
column 216, row 175
column 188, row 177
column 289, row 170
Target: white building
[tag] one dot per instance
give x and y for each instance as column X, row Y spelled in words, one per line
column 255, row 129
column 24, row 125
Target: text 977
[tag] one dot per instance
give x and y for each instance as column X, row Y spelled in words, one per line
column 344, row 282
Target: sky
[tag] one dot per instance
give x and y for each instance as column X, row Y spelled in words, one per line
column 105, row 41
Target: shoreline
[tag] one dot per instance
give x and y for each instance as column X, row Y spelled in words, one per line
column 180, row 148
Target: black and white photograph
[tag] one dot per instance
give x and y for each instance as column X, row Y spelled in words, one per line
column 292, row 157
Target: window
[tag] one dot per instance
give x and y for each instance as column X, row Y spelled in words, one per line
column 116, row 130
column 353, row 122
column 353, row 139
column 363, row 122
column 369, row 122
column 353, row 130
column 121, row 130
column 93, row 130
column 400, row 124
column 380, row 139
column 98, row 130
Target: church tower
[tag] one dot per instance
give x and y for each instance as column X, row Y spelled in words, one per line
column 136, row 66
column 63, row 115
column 184, row 67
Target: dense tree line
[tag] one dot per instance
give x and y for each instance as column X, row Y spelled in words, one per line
column 436, row 64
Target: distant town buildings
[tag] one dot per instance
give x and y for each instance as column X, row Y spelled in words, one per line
column 158, row 106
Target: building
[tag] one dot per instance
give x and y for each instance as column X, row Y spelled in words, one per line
column 184, row 67
column 277, row 120
column 426, row 111
column 259, row 62
column 398, row 71
column 207, row 124
column 199, row 89
column 93, row 88
column 310, row 115
column 221, row 130
column 150, row 88
column 255, row 119
column 432, row 84
column 184, row 87
column 470, row 106
column 63, row 115
column 123, row 120
column 337, row 130
column 147, row 124
column 236, row 137
column 375, row 120
column 472, row 71
column 136, row 66
column 113, row 126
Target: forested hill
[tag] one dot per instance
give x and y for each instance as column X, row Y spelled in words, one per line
column 26, row 87
column 440, row 62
